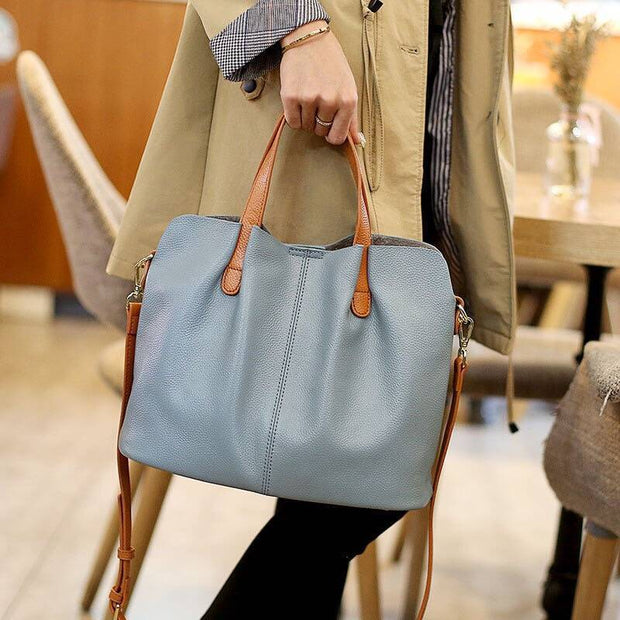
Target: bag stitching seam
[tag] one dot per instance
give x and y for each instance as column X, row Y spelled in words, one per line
column 280, row 381
column 267, row 467
column 286, row 363
column 295, row 322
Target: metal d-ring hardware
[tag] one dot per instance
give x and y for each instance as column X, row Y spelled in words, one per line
column 136, row 295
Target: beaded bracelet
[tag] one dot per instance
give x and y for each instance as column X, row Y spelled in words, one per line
column 299, row 40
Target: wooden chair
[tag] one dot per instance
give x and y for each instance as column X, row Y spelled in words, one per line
column 89, row 210
column 87, row 205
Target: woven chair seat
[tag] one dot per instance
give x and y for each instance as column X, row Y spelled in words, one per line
column 582, row 455
column 543, row 363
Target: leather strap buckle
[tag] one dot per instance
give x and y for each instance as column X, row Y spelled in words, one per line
column 126, row 554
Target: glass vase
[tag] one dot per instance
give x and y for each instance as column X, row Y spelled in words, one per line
column 572, row 144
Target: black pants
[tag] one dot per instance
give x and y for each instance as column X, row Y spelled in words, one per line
column 297, row 565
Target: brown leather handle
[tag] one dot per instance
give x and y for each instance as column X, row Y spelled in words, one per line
column 255, row 209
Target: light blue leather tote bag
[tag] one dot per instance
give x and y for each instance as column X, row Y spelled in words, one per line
column 315, row 373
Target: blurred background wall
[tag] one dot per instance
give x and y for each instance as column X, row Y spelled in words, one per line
column 110, row 59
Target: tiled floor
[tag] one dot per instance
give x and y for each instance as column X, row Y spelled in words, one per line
column 495, row 520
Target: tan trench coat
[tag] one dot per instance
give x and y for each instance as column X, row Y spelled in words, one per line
column 208, row 137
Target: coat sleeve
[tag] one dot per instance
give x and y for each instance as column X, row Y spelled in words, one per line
column 247, row 44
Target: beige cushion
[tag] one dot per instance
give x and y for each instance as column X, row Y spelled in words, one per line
column 543, row 363
column 545, row 273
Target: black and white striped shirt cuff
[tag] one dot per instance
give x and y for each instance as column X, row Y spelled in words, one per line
column 249, row 45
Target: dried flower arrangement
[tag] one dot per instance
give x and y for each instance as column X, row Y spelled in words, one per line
column 571, row 57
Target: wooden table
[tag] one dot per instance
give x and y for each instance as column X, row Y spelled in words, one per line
column 582, row 232
column 585, row 233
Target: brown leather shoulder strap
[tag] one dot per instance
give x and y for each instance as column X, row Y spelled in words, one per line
column 119, row 592
column 459, row 369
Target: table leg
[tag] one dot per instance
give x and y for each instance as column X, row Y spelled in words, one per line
column 559, row 590
column 593, row 319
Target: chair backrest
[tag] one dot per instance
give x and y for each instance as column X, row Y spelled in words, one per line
column 534, row 109
column 88, row 207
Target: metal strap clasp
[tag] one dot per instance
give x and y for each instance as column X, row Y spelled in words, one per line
column 465, row 329
column 138, row 291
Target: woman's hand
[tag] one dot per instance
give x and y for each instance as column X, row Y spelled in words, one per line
column 315, row 78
